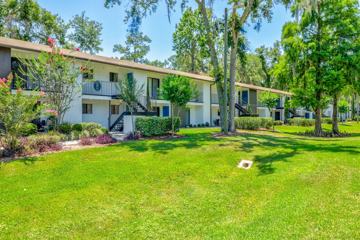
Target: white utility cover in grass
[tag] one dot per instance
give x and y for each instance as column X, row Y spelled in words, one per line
column 245, row 164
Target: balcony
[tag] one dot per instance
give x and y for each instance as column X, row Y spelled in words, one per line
column 25, row 85
column 100, row 88
column 198, row 99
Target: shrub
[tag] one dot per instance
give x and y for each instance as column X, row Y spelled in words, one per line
column 28, row 129
column 42, row 143
column 86, row 141
column 253, row 123
column 301, row 122
column 133, row 136
column 65, row 128
column 94, row 129
column 62, row 137
column 96, row 132
column 155, row 126
column 75, row 135
column 278, row 123
column 84, row 134
column 77, row 127
column 104, row 139
column 104, row 130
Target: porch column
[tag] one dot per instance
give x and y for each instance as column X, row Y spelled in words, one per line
column 5, row 60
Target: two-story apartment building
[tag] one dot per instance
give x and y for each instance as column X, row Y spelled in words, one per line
column 99, row 101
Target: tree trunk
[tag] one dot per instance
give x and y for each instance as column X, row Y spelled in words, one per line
column 353, row 97
column 357, row 108
column 232, row 83
column 318, row 127
column 193, row 59
column 172, row 118
column 215, row 64
column 335, row 125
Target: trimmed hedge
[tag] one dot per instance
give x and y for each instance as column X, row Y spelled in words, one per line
column 302, row 122
column 155, row 126
column 253, row 123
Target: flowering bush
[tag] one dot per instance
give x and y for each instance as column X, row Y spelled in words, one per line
column 86, row 141
column 58, row 76
column 16, row 111
column 104, row 139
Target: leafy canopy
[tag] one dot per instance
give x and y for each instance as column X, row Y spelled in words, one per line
column 26, row 20
column 136, row 47
column 269, row 99
column 189, row 42
column 86, row 33
column 178, row 90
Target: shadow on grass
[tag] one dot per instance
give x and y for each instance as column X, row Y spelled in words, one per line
column 189, row 141
column 289, row 148
column 24, row 160
column 301, row 135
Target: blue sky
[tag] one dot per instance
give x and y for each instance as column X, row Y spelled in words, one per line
column 156, row 26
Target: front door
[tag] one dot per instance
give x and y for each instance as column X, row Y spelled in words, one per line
column 277, row 116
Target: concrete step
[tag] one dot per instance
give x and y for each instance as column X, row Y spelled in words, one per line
column 119, row 136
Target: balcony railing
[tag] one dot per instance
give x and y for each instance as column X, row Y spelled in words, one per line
column 26, row 85
column 100, row 88
column 198, row 99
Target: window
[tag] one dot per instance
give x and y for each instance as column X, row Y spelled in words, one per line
column 155, row 85
column 87, row 108
column 165, row 111
column 115, row 109
column 114, row 77
column 245, row 97
column 88, row 74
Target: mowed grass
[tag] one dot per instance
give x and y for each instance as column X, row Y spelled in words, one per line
column 189, row 188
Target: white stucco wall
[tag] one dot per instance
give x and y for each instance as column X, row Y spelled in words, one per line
column 206, row 102
column 73, row 115
column 100, row 112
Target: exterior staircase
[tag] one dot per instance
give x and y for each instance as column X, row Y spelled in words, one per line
column 243, row 110
column 140, row 110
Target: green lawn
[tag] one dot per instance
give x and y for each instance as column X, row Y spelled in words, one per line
column 189, row 188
